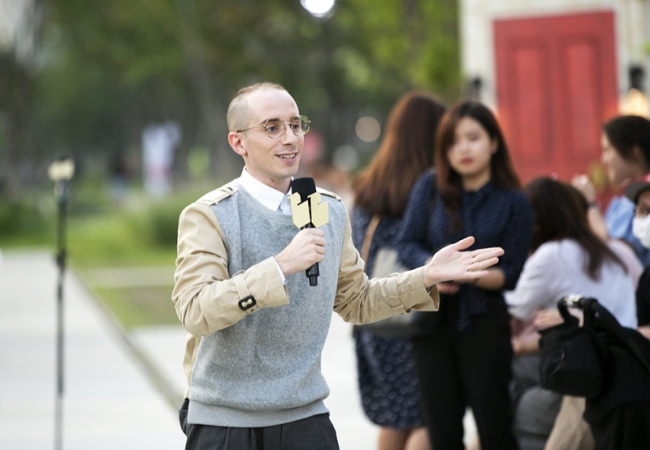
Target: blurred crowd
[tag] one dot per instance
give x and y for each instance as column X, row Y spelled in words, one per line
column 443, row 174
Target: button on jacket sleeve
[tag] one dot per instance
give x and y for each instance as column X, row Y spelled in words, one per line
column 205, row 296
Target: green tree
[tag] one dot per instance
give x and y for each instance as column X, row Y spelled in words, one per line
column 107, row 69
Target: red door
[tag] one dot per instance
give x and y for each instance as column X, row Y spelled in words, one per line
column 556, row 85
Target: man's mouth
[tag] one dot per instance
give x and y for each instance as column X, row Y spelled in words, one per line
column 288, row 157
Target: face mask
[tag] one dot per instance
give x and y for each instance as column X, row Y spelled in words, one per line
column 641, row 230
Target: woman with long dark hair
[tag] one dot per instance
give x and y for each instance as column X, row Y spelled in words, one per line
column 567, row 257
column 386, row 378
column 466, row 361
column 626, row 157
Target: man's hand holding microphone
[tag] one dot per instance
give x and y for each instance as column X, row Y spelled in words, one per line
column 306, row 249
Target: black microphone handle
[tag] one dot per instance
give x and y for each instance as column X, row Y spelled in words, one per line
column 313, row 272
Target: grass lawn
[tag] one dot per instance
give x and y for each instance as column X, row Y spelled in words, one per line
column 106, row 237
column 137, row 307
column 109, row 241
column 113, row 240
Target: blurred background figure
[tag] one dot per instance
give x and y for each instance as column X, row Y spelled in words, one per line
column 567, row 257
column 119, row 179
column 387, row 380
column 158, row 144
column 467, row 361
column 639, row 193
column 626, row 156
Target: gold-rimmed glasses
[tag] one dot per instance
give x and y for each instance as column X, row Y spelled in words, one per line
column 274, row 128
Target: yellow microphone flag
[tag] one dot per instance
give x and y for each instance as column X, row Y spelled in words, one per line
column 319, row 210
column 299, row 211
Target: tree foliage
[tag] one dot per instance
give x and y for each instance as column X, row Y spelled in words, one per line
column 107, row 69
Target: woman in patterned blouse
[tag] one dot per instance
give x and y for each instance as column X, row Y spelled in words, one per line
column 467, row 359
column 387, row 380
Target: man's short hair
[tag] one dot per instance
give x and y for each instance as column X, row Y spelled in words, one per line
column 239, row 111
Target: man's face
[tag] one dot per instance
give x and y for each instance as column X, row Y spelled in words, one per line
column 270, row 161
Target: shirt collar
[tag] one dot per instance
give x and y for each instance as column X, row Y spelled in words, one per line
column 266, row 195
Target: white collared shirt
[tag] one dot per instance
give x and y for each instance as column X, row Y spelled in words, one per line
column 268, row 197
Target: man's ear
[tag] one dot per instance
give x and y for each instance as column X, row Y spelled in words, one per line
column 236, row 142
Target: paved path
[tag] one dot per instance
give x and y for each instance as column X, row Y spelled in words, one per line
column 110, row 401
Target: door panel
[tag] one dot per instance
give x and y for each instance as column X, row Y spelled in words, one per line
column 556, row 85
column 530, row 63
column 583, row 98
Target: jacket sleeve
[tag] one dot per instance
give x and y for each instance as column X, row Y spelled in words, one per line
column 206, row 298
column 360, row 300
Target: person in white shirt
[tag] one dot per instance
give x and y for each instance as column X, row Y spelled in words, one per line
column 566, row 258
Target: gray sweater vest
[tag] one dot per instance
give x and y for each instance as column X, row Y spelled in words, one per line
column 265, row 370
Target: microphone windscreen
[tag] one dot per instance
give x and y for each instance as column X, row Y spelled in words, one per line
column 303, row 186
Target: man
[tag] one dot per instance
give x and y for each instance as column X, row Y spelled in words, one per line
column 256, row 326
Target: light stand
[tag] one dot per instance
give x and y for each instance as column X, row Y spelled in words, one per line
column 61, row 172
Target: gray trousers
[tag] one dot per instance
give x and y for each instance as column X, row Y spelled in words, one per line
column 313, row 433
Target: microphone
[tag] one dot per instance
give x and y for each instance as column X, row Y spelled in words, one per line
column 307, row 211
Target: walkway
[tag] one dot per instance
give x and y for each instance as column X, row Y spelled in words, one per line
column 110, row 400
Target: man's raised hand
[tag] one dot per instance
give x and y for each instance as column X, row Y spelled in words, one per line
column 451, row 263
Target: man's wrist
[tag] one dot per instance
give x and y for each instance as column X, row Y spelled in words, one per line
column 282, row 277
column 428, row 283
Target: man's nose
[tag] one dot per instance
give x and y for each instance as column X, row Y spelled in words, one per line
column 288, row 135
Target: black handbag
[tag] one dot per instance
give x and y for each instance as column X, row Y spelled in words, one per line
column 572, row 357
column 407, row 325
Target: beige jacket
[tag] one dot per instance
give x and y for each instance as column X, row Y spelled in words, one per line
column 206, row 297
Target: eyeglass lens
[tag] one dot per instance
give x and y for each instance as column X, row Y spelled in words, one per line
column 275, row 128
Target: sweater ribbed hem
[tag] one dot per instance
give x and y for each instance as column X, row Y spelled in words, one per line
column 221, row 416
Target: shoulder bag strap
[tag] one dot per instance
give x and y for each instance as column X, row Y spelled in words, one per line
column 367, row 240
